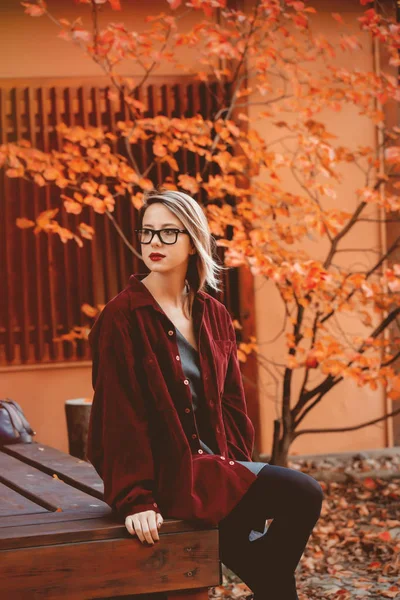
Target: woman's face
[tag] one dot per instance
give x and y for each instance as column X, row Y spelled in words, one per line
column 158, row 216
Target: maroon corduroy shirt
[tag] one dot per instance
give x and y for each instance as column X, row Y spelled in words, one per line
column 143, row 438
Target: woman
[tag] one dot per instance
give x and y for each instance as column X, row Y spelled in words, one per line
column 169, row 431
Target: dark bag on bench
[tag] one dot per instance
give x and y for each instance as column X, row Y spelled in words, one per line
column 14, row 428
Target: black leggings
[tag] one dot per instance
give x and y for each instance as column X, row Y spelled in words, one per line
column 293, row 500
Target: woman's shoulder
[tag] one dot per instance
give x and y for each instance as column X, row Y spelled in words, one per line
column 215, row 305
column 220, row 318
column 119, row 305
column 114, row 315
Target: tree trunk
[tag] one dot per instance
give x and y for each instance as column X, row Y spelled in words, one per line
column 281, row 446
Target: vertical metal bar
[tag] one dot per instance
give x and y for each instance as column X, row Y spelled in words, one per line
column 109, row 253
column 54, row 348
column 120, row 249
column 166, row 97
column 196, row 107
column 6, row 237
column 84, row 276
column 74, row 112
column 23, row 283
column 132, row 212
column 181, row 113
column 37, row 265
column 97, row 292
column 155, row 108
column 69, row 350
column 142, row 95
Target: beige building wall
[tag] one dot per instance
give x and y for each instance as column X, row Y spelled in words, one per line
column 42, row 390
column 33, row 48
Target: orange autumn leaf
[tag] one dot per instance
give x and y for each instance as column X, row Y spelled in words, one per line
column 15, row 172
column 188, row 183
column 64, row 234
column 88, row 310
column 159, row 149
column 51, row 174
column 86, row 231
column 24, row 223
column 171, row 161
column 145, row 184
column 35, row 10
column 72, row 207
column 39, row 180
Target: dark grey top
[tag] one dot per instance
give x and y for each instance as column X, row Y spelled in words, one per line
column 191, row 367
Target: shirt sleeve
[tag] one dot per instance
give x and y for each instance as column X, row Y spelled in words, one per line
column 118, row 439
column 239, row 429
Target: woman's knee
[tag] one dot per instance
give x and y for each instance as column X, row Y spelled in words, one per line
column 295, row 489
column 314, row 492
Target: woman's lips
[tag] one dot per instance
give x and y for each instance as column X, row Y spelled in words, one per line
column 156, row 257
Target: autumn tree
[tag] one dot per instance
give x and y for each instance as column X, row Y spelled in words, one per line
column 279, row 192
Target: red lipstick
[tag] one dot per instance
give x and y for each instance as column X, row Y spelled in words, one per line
column 156, row 256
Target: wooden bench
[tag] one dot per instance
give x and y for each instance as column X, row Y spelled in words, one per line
column 58, row 539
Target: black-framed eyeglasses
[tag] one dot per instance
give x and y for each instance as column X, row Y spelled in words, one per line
column 166, row 236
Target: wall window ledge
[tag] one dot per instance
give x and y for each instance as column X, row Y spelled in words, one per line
column 46, row 366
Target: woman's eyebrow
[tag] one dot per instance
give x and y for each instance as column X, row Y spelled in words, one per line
column 163, row 225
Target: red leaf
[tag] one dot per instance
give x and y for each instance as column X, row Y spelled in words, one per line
column 337, row 17
column 385, row 536
column 369, row 483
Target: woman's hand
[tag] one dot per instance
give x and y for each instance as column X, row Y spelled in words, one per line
column 145, row 525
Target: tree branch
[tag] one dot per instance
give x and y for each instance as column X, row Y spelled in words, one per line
column 325, row 386
column 341, row 429
column 391, row 249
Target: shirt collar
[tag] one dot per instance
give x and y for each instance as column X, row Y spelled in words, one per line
column 142, row 296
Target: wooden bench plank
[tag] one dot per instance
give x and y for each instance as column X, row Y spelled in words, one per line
column 107, row 568
column 47, row 491
column 51, row 517
column 82, row 530
column 76, row 472
column 12, row 503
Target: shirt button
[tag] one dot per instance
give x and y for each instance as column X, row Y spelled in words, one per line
column 217, row 429
column 231, row 462
column 200, row 451
column 187, row 410
column 194, row 436
column 222, row 457
column 170, row 332
column 186, row 381
column 178, row 357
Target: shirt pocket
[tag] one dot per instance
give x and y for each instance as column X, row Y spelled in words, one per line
column 221, row 352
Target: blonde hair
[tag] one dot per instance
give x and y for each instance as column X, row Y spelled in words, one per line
column 203, row 268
